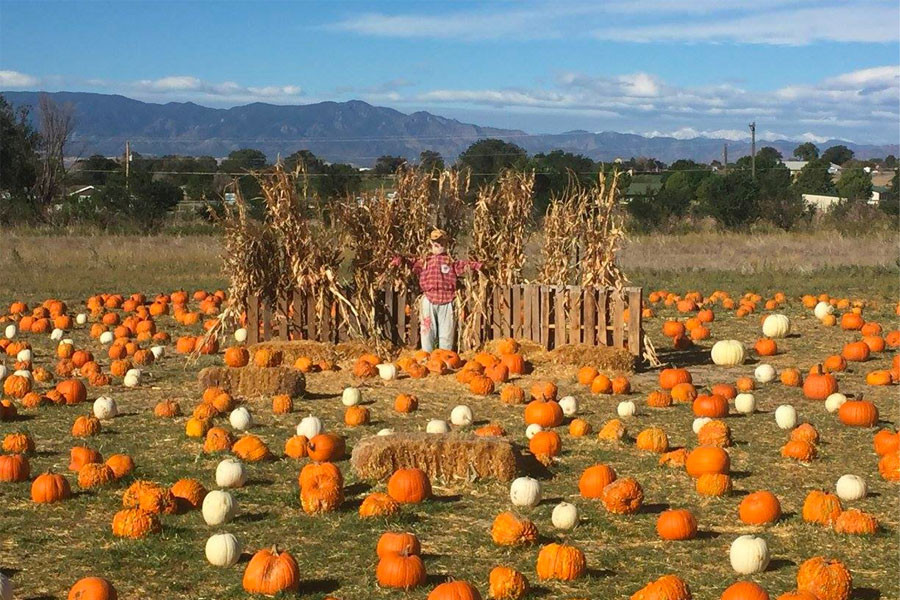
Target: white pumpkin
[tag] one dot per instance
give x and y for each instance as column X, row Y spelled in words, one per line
column 385, row 431
column 569, row 405
column 241, row 419
column 24, row 355
column 437, row 426
column 822, row 310
column 56, row 334
column 132, row 378
column 745, row 403
column 626, row 408
column 834, row 401
column 351, row 396
column 6, row 588
column 105, row 408
column 3, row 372
column 387, row 371
column 23, row 373
column 728, row 353
column 851, row 487
column 525, row 491
column 776, row 326
column 218, row 507
column 158, row 351
column 10, row 331
column 230, row 473
column 786, row 416
column 532, row 430
column 80, row 319
column 106, row 338
column 67, row 341
column 461, row 415
column 240, row 335
column 223, row 550
column 564, row 515
column 749, row 554
column 310, row 427
column 698, row 423
column 764, row 373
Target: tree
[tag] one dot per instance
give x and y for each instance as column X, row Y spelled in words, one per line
column 431, row 161
column 778, row 201
column 244, row 161
column 889, row 201
column 18, row 161
column 553, row 172
column 311, row 163
column 338, row 181
column 855, row 185
column 56, row 124
column 486, row 158
column 890, row 161
column 767, row 157
column 814, row 178
column 731, row 199
column 388, row 165
column 806, row 151
column 94, row 170
column 837, row 154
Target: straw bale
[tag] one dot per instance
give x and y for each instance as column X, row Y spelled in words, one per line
column 252, row 381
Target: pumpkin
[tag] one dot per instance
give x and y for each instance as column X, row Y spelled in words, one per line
column 594, row 479
column 621, row 385
column 623, row 496
column 586, row 375
column 150, row 497
column 601, row 385
column 653, row 439
column 799, row 450
column 230, row 473
column 545, row 445
column 378, row 504
column 355, row 416
column 677, row 524
column 759, row 508
column 81, row 455
column 765, row 347
column 282, row 404
column 791, row 377
column 776, row 326
column 560, row 562
column 409, row 486
column 667, row 587
column 512, row 394
column 856, row 352
column 513, row 363
column 885, row 442
column 749, row 554
column 454, row 590
column 684, row 392
column 270, row 572
column 821, row 507
column 50, row 487
column 296, row 446
column 851, row 321
column 121, row 465
column 86, row 426
column 218, row 507
column 401, row 571
column 659, row 399
column 544, row 390
column 217, row 440
column 326, row 447
column 94, row 475
column 728, row 353
column 744, row 590
column 564, row 515
column 167, row 409
column 406, row 403
column 134, row 523
column 855, row 522
column 713, row 406
column 222, row 550
column 525, row 491
column 509, row 530
column 507, row 584
column 826, row 579
column 613, row 431
column 188, row 494
column 858, row 413
column 713, row 484
column 805, row 432
column 715, row 433
column 545, row 413
column 579, row 428
column 92, row 588
column 786, row 416
column 707, row 459
column 481, row 385
column 18, row 443
column 16, row 386
column 321, row 488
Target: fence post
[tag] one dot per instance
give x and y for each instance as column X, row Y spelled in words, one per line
column 635, row 319
column 253, row 319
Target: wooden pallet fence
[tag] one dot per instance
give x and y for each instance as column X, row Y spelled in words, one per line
column 548, row 315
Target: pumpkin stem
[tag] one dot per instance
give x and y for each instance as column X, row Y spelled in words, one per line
column 819, row 369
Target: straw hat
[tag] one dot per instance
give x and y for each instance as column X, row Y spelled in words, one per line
column 438, row 235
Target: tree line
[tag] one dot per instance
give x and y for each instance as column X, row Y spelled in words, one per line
column 36, row 185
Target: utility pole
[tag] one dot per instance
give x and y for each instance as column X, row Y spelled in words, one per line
column 725, row 156
column 753, row 149
column 127, row 162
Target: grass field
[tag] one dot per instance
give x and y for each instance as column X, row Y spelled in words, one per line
column 45, row 548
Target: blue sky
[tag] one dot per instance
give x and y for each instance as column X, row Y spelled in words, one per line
column 801, row 69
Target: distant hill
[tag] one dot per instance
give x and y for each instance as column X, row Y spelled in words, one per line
column 354, row 132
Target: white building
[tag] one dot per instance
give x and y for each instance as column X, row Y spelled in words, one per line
column 796, row 165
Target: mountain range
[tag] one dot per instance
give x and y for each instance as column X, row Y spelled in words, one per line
column 355, row 132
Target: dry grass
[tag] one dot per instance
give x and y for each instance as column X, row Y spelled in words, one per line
column 444, row 457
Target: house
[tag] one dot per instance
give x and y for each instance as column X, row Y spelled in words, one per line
column 796, row 165
column 643, row 185
column 878, row 192
column 83, row 192
column 820, row 202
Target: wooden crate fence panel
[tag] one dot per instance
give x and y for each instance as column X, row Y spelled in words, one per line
column 549, row 315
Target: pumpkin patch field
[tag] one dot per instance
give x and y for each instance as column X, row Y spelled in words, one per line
column 761, row 460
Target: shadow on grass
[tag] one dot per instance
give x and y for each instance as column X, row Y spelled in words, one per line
column 865, row 594
column 528, row 465
column 780, row 563
column 447, row 499
column 317, row 396
column 357, row 488
column 251, row 517
column 654, row 509
column 740, row 474
column 315, row 587
column 707, row 535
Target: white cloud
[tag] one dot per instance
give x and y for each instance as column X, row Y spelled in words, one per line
column 14, row 79
column 181, row 84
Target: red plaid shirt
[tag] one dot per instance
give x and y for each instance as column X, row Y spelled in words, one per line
column 438, row 274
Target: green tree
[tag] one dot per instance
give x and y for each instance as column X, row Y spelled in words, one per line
column 552, row 174
column 855, row 185
column 889, row 201
column 310, row 162
column 431, row 161
column 338, row 181
column 94, row 170
column 732, row 199
column 18, row 161
column 486, row 158
column 243, row 161
column 779, row 202
column 806, row 151
column 814, row 178
column 837, row 154
column 387, row 164
column 767, row 158
column 890, row 161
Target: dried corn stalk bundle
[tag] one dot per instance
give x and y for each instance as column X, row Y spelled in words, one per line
column 561, row 230
column 602, row 235
column 450, row 207
column 499, row 224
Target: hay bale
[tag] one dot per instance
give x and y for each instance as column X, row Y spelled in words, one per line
column 604, row 358
column 441, row 456
column 252, row 381
column 292, row 350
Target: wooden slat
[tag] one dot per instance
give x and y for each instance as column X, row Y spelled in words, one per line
column 516, row 309
column 618, row 324
column 284, row 309
column 535, row 293
column 401, row 317
column 312, row 317
column 390, row 311
column 324, row 326
column 267, row 322
column 414, row 323
column 506, row 311
column 575, row 308
column 546, row 309
column 526, row 313
column 589, row 302
column 560, row 324
column 635, row 335
column 252, row 319
column 496, row 314
column 299, row 304
column 603, row 317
